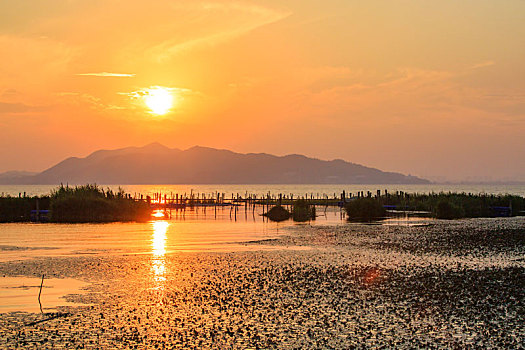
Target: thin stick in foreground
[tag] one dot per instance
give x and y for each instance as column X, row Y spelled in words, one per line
column 39, row 293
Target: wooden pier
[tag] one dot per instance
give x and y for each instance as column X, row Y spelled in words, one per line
column 172, row 200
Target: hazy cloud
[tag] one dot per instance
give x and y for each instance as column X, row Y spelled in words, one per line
column 15, row 108
column 9, row 93
column 85, row 99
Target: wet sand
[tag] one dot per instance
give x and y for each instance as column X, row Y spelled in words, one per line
column 457, row 284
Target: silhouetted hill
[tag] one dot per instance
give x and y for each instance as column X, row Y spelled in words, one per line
column 14, row 177
column 157, row 164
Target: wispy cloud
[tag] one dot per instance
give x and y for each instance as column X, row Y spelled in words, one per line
column 106, row 74
column 483, row 64
column 250, row 17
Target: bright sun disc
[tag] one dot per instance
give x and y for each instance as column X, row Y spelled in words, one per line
column 159, row 100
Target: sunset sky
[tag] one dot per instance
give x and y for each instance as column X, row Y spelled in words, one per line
column 429, row 88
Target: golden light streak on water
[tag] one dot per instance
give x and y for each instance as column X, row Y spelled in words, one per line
column 158, row 241
column 158, row 247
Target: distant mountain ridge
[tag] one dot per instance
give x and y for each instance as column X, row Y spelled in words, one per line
column 158, row 164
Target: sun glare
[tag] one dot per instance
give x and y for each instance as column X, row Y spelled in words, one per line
column 159, row 100
column 158, row 214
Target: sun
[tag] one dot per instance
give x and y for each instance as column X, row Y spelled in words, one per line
column 158, row 99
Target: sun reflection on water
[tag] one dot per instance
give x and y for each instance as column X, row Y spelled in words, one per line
column 158, row 248
column 158, row 242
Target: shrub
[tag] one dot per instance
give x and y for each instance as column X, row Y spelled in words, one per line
column 277, row 213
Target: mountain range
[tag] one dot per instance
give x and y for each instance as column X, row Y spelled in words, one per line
column 158, row 164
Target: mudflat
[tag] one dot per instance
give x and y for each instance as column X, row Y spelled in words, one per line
column 446, row 284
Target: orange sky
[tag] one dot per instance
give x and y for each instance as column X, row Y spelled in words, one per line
column 431, row 88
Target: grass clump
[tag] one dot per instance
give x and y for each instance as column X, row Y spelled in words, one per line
column 90, row 203
column 302, row 211
column 277, row 213
column 365, row 209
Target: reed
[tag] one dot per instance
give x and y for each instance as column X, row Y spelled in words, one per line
column 448, row 210
column 456, row 205
column 18, row 209
column 90, row 203
column 365, row 209
column 303, row 211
